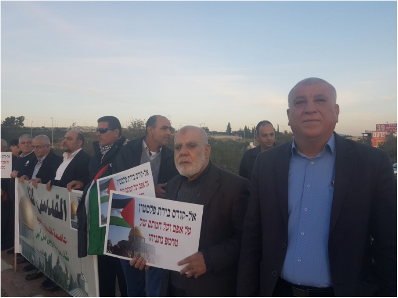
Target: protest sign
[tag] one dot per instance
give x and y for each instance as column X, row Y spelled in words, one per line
column 137, row 180
column 45, row 238
column 163, row 232
column 6, row 164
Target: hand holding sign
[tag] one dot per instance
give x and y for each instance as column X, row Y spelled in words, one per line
column 196, row 265
column 139, row 264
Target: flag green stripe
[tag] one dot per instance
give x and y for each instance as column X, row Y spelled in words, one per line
column 104, row 199
column 118, row 221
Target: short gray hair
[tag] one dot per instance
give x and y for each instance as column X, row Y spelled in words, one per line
column 312, row 81
column 44, row 139
column 25, row 136
column 202, row 132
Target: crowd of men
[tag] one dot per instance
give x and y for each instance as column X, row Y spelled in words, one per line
column 312, row 217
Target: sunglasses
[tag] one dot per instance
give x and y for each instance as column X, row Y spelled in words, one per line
column 104, row 130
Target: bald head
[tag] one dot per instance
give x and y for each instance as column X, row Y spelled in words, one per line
column 41, row 145
column 309, row 82
column 191, row 151
column 197, row 130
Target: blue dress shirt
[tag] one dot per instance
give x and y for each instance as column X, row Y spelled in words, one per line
column 311, row 184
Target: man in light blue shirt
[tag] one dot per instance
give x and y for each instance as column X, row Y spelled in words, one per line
column 322, row 213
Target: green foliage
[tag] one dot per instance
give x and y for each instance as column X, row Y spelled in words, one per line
column 229, row 129
column 390, row 145
column 14, row 121
column 227, row 154
column 283, row 137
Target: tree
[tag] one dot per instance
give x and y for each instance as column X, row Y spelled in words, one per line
column 12, row 121
column 390, row 145
column 206, row 129
column 229, row 129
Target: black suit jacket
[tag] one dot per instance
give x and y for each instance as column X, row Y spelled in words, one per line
column 247, row 162
column 130, row 156
column 77, row 169
column 224, row 197
column 364, row 207
column 48, row 168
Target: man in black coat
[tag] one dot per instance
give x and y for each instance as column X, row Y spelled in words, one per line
column 321, row 219
column 110, row 141
column 212, row 271
column 265, row 136
column 46, row 163
column 75, row 162
column 150, row 148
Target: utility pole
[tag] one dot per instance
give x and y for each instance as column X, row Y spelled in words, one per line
column 52, row 132
column 31, row 128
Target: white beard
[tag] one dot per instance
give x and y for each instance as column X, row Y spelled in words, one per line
column 193, row 168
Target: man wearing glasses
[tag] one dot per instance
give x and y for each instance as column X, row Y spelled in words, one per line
column 110, row 141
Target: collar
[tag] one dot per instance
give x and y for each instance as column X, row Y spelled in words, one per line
column 65, row 155
column 21, row 155
column 330, row 145
column 149, row 151
column 41, row 159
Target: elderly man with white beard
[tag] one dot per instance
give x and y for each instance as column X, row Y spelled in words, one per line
column 212, row 271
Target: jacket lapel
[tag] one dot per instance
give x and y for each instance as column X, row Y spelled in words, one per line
column 282, row 177
column 344, row 165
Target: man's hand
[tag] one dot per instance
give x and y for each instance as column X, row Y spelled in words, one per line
column 159, row 191
column 23, row 178
column 139, row 264
column 74, row 185
column 48, row 186
column 196, row 265
column 14, row 174
column 35, row 182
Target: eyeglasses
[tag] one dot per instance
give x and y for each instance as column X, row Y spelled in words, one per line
column 38, row 147
column 104, row 130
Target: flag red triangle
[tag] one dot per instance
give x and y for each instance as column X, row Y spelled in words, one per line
column 111, row 186
column 128, row 213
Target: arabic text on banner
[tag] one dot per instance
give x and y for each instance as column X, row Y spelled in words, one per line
column 48, row 239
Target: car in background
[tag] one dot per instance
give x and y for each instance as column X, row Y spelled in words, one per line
column 394, row 166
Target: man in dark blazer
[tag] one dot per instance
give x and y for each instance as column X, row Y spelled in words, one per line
column 75, row 161
column 150, row 148
column 265, row 136
column 321, row 219
column 212, row 271
column 46, row 163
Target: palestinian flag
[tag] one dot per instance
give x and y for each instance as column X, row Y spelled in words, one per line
column 122, row 212
column 105, row 189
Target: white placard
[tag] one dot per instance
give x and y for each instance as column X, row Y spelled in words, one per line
column 162, row 231
column 137, row 180
column 6, row 164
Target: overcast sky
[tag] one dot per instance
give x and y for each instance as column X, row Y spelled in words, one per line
column 198, row 63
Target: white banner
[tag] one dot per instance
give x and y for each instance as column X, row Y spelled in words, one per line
column 6, row 164
column 46, row 235
column 137, row 180
column 163, row 232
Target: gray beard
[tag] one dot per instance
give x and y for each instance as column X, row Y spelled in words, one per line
column 193, row 169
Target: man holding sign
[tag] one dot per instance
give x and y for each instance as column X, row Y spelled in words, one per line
column 212, row 271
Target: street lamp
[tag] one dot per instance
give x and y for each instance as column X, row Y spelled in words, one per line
column 31, row 128
column 52, row 132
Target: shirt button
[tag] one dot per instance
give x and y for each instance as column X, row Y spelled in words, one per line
column 302, row 233
column 284, row 245
column 312, row 162
column 308, row 185
column 299, row 260
column 305, row 209
column 275, row 273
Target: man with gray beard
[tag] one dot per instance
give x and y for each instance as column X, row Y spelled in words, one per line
column 212, row 271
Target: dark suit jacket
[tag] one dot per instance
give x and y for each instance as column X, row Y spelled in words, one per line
column 130, row 157
column 247, row 163
column 77, row 169
column 48, row 168
column 224, row 197
column 364, row 206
